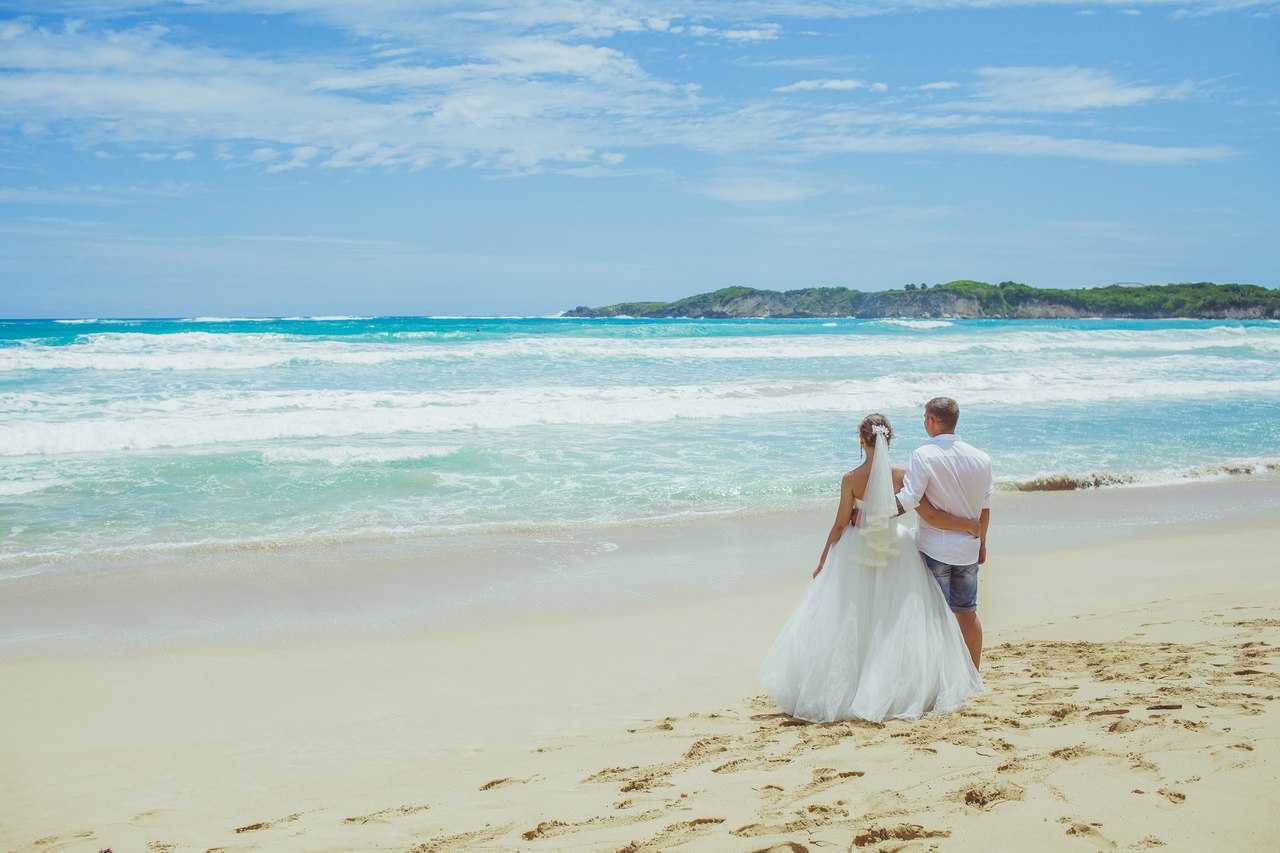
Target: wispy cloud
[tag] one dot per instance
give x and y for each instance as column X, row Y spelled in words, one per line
column 101, row 195
column 516, row 87
column 756, row 189
column 1038, row 89
column 838, row 85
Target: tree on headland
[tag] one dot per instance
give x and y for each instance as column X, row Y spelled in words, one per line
column 967, row 299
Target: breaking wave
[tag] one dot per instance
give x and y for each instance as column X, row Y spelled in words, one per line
column 1105, row 479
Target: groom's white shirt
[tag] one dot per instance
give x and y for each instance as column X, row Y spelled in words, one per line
column 957, row 477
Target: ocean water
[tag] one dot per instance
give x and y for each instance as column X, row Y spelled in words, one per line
column 144, row 438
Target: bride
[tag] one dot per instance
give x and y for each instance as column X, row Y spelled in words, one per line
column 872, row 637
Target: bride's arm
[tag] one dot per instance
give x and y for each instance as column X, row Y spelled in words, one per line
column 946, row 520
column 844, row 515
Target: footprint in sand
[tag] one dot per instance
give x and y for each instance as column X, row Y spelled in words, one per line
column 703, row 749
column 763, row 762
column 986, row 795
column 57, row 842
column 1125, row 725
column 385, row 815
column 507, row 781
column 462, row 840
column 1070, row 753
column 1045, row 694
column 268, row 824
column 676, row 833
column 665, row 725
column 901, row 832
column 1080, row 829
column 825, row 778
column 634, row 778
column 553, row 828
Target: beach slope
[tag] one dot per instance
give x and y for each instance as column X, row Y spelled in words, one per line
column 1130, row 704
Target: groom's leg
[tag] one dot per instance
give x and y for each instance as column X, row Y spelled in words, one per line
column 971, row 630
column 941, row 573
column 964, row 604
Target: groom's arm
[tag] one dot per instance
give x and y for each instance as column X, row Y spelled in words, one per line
column 983, row 521
column 930, row 514
column 914, row 482
column 984, row 518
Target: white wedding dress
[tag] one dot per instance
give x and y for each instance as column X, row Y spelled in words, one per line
column 872, row 637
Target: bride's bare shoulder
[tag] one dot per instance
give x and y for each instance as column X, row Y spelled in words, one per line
column 898, row 473
column 856, row 480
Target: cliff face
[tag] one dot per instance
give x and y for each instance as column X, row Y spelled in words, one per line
column 1047, row 311
column 966, row 300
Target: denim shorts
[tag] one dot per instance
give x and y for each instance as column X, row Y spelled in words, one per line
column 959, row 583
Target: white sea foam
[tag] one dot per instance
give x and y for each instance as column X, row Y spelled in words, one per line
column 220, row 417
column 917, row 324
column 343, row 455
column 228, row 319
column 249, row 351
column 1167, row 476
column 13, row 488
column 326, row 319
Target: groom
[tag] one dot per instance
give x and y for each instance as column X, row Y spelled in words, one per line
column 956, row 477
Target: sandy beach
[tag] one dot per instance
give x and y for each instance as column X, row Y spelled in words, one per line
column 1130, row 698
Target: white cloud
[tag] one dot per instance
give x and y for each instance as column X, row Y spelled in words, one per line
column 812, row 85
column 754, row 189
column 513, row 88
column 523, row 101
column 105, row 195
column 65, row 195
column 754, row 33
column 1038, row 89
column 299, row 157
column 768, row 32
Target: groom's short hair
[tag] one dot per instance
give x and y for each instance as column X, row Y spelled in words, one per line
column 945, row 411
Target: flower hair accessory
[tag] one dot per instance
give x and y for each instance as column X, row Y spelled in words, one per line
column 881, row 429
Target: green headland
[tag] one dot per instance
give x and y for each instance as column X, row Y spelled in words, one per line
column 968, row 300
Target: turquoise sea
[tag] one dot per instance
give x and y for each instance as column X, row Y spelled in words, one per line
column 129, row 438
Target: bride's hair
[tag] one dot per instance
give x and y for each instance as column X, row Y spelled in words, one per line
column 867, row 429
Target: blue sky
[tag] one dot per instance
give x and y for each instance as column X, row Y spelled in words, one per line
column 315, row 157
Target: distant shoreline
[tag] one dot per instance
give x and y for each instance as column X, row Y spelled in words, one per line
column 966, row 300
